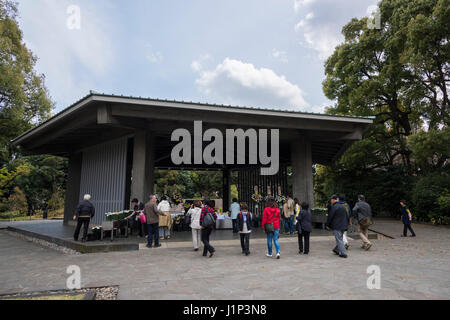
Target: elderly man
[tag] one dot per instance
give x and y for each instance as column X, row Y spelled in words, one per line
column 152, row 214
column 84, row 212
column 338, row 221
column 363, row 213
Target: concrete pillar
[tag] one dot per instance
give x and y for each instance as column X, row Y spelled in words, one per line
column 226, row 189
column 72, row 187
column 143, row 165
column 301, row 159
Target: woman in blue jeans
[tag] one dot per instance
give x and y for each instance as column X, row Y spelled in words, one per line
column 271, row 214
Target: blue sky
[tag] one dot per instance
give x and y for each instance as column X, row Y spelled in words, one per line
column 265, row 53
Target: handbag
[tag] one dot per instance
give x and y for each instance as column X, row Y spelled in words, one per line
column 187, row 220
column 365, row 223
column 268, row 227
column 143, row 218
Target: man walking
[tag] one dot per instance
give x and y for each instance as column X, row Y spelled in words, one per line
column 406, row 219
column 84, row 212
column 338, row 222
column 363, row 214
column 341, row 197
column 235, row 208
column 152, row 214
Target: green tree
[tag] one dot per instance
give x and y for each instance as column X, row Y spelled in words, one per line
column 8, row 177
column 431, row 150
column 383, row 72
column 426, row 27
column 47, row 176
column 24, row 100
column 17, row 202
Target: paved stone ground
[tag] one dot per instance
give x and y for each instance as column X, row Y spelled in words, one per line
column 411, row 268
column 58, row 230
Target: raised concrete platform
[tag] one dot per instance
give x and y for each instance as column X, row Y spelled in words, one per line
column 62, row 235
column 88, row 247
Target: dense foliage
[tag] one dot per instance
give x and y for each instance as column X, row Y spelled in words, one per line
column 399, row 75
column 24, row 102
column 190, row 184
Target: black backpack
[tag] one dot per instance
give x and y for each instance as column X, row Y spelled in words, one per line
column 208, row 220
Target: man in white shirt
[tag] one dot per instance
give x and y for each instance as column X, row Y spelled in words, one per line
column 235, row 208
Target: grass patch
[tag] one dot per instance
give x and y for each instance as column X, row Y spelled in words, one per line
column 20, row 216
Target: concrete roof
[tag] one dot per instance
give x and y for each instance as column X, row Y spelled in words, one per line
column 85, row 122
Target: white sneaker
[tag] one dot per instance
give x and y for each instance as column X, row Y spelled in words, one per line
column 278, row 256
column 268, row 255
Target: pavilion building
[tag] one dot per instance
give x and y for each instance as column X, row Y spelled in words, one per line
column 114, row 145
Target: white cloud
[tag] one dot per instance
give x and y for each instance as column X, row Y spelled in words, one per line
column 197, row 65
column 321, row 108
column 63, row 52
column 154, row 57
column 304, row 22
column 239, row 83
column 151, row 55
column 280, row 55
column 298, row 4
column 323, row 20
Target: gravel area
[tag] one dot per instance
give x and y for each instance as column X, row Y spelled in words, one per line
column 101, row 293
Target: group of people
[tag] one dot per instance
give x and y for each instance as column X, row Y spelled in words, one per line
column 203, row 218
column 201, row 230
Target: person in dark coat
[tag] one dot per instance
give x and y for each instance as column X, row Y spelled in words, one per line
column 244, row 226
column 338, row 221
column 406, row 219
column 84, row 212
column 134, row 218
column 206, row 231
column 342, row 201
column 304, row 228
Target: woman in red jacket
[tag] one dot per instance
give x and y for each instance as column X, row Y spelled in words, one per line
column 271, row 214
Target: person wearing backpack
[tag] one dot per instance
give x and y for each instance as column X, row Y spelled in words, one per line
column 304, row 228
column 406, row 219
column 271, row 225
column 363, row 214
column 208, row 222
column 244, row 226
column 194, row 214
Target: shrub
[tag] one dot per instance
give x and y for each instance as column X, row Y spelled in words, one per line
column 430, row 198
column 56, row 201
column 17, row 202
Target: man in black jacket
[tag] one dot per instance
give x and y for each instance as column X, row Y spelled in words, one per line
column 84, row 212
column 363, row 213
column 134, row 218
column 338, row 221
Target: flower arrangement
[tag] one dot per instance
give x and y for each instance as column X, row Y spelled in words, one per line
column 257, row 197
column 280, row 199
column 116, row 216
column 187, row 205
column 177, row 199
column 319, row 211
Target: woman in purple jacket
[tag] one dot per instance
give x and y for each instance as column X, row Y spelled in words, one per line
column 304, row 228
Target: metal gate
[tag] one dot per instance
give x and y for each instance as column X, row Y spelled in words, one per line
column 103, row 176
